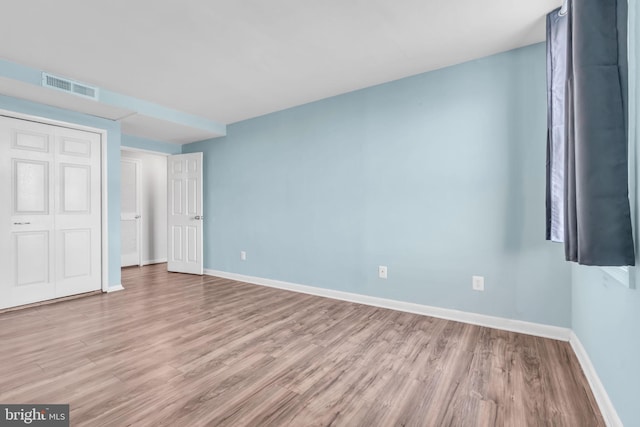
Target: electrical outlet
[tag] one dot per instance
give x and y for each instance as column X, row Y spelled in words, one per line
column 243, row 255
column 477, row 283
column 382, row 271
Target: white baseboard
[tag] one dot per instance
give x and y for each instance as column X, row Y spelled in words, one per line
column 115, row 288
column 530, row 328
column 154, row 261
column 599, row 392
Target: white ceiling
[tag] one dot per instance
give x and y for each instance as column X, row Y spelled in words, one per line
column 229, row 60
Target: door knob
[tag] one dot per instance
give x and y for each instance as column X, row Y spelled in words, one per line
column 198, row 217
column 137, row 217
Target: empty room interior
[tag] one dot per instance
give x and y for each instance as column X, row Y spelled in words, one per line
column 314, row 213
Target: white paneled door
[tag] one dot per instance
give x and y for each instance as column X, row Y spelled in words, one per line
column 185, row 213
column 50, row 213
column 130, row 213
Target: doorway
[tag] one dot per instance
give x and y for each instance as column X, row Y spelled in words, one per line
column 143, row 207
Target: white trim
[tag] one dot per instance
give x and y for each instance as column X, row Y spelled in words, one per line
column 114, row 288
column 154, row 261
column 105, row 211
column 530, row 328
column 600, row 393
column 140, row 198
column 104, row 214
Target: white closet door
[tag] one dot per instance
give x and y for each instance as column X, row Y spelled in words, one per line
column 78, row 213
column 50, row 230
column 185, row 213
column 130, row 213
column 26, row 213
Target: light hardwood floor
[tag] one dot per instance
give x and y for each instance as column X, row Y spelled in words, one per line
column 181, row 350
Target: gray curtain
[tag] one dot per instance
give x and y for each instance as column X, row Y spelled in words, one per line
column 587, row 170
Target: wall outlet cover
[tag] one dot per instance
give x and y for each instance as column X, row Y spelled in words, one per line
column 477, row 283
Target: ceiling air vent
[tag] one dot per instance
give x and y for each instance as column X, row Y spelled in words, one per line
column 69, row 86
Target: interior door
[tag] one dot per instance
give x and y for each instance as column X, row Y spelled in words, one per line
column 185, row 213
column 50, row 215
column 131, row 213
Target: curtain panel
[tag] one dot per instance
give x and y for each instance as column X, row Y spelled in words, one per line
column 587, row 160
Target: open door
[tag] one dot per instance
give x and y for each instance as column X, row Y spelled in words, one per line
column 185, row 214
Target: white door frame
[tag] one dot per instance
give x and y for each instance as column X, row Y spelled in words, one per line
column 104, row 217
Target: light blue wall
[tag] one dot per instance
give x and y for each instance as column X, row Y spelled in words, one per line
column 606, row 318
column 439, row 176
column 606, row 315
column 150, row 144
column 113, row 165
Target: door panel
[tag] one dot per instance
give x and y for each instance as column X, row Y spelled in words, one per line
column 30, row 140
column 177, row 251
column 192, row 244
column 129, row 241
column 31, row 187
column 185, row 213
column 32, row 258
column 176, row 197
column 76, row 253
column 75, row 147
column 76, row 188
column 50, row 226
column 192, row 197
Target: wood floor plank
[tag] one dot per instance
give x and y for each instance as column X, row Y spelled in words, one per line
column 176, row 350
